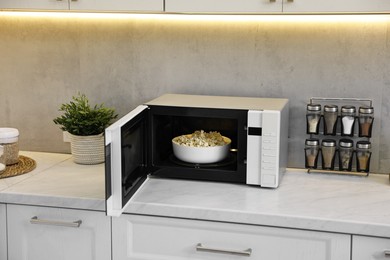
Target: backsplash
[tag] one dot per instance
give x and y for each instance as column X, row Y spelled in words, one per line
column 125, row 62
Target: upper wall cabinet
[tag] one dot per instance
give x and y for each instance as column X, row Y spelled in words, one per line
column 36, row 4
column 335, row 6
column 85, row 5
column 224, row 6
column 204, row 6
column 117, row 5
column 276, row 6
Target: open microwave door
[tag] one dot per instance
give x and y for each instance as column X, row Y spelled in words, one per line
column 126, row 168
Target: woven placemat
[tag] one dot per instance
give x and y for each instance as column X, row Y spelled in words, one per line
column 24, row 165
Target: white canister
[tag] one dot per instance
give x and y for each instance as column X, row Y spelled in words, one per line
column 9, row 139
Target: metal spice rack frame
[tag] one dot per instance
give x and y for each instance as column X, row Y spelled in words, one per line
column 354, row 173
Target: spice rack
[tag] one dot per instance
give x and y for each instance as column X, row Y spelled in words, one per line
column 343, row 147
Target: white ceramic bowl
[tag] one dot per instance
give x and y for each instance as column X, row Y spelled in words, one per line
column 201, row 155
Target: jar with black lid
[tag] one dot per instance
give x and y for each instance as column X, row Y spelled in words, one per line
column 328, row 151
column 366, row 119
column 345, row 154
column 363, row 156
column 348, row 114
column 330, row 119
column 312, row 147
column 313, row 117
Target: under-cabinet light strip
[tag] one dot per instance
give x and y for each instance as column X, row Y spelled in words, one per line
column 363, row 18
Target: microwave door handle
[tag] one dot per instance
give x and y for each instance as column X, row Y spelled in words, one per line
column 107, row 171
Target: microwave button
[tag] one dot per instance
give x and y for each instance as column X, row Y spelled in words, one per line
column 271, row 134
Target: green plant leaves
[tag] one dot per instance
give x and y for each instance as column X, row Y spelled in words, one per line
column 79, row 118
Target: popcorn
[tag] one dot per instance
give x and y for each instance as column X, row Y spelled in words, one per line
column 201, row 139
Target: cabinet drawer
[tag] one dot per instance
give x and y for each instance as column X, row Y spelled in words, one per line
column 370, row 248
column 142, row 237
column 54, row 233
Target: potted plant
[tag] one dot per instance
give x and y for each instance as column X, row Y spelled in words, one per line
column 86, row 126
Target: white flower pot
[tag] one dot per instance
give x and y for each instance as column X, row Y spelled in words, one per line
column 87, row 149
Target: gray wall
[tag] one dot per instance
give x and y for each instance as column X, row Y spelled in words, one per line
column 125, row 62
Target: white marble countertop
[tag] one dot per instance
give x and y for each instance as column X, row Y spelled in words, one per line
column 344, row 204
column 57, row 181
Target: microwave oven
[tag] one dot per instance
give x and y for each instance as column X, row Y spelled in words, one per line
column 139, row 144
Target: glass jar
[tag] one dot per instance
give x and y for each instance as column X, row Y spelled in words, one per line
column 366, row 119
column 345, row 154
column 348, row 114
column 313, row 116
column 9, row 139
column 2, row 159
column 330, row 119
column 328, row 151
column 363, row 156
column 312, row 147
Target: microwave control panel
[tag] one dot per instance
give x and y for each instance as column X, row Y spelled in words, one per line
column 263, row 148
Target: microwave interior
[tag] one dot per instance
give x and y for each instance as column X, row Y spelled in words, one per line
column 165, row 123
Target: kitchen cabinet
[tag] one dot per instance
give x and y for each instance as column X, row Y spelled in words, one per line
column 117, row 5
column 224, row 6
column 203, row 6
column 370, row 248
column 330, row 6
column 276, row 6
column 56, row 233
column 137, row 237
column 36, row 4
column 3, row 232
column 85, row 5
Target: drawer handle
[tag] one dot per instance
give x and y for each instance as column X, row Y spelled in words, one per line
column 36, row 220
column 247, row 252
column 387, row 252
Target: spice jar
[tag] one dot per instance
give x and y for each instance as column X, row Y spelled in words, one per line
column 312, row 147
column 366, row 118
column 2, row 159
column 363, row 156
column 347, row 120
column 313, row 116
column 345, row 154
column 328, row 151
column 9, row 139
column 330, row 119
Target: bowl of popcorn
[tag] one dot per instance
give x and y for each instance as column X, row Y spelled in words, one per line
column 201, row 147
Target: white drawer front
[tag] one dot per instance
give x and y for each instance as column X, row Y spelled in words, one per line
column 370, row 248
column 40, row 233
column 152, row 238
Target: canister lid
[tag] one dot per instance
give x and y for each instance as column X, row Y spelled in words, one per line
column 331, row 108
column 312, row 142
column 363, row 145
column 347, row 143
column 348, row 109
column 328, row 142
column 366, row 110
column 8, row 135
column 313, row 107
